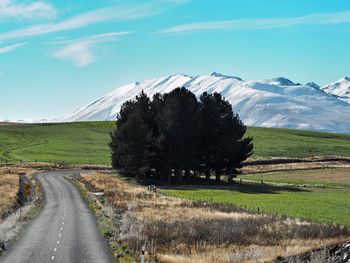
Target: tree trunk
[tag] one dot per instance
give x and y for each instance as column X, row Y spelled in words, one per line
column 187, row 175
column 169, row 177
column 160, row 175
column 207, row 174
column 178, row 173
column 217, row 175
column 168, row 171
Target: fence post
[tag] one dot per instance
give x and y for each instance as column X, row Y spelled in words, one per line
column 143, row 254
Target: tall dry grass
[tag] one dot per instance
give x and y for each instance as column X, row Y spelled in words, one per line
column 12, row 224
column 182, row 231
column 9, row 188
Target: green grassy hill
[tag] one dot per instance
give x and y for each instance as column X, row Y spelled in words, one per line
column 87, row 142
column 271, row 142
column 66, row 142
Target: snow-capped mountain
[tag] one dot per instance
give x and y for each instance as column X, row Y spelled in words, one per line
column 275, row 102
column 340, row 88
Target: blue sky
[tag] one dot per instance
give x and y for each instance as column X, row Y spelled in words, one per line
column 56, row 56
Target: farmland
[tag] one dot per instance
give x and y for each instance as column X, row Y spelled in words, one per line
column 317, row 195
column 87, row 143
column 69, row 143
column 291, row 212
column 337, row 178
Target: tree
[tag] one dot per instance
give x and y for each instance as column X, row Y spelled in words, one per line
column 130, row 145
column 178, row 124
column 142, row 105
column 222, row 146
column 174, row 134
column 132, row 142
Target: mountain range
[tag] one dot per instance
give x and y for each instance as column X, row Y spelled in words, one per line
column 277, row 102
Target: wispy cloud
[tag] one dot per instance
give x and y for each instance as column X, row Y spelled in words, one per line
column 128, row 12
column 261, row 24
column 11, row 48
column 36, row 9
column 82, row 51
column 178, row 2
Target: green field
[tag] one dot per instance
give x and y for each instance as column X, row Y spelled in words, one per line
column 336, row 178
column 316, row 204
column 295, row 143
column 317, row 195
column 87, row 142
column 70, row 143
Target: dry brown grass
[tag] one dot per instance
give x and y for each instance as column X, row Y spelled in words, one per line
column 185, row 231
column 9, row 187
column 341, row 175
column 293, row 166
column 41, row 166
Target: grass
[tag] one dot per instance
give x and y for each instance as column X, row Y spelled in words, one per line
column 320, row 177
column 9, row 188
column 270, row 142
column 86, row 143
column 318, row 204
column 177, row 230
column 12, row 225
column 68, row 142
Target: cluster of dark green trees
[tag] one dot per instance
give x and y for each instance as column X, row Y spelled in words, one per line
column 175, row 137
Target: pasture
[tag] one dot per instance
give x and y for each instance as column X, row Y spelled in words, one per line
column 87, row 142
column 316, row 195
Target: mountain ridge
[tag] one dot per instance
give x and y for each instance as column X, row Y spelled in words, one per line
column 340, row 88
column 277, row 102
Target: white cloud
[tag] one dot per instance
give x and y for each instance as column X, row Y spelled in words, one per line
column 81, row 51
column 10, row 48
column 261, row 24
column 37, row 9
column 128, row 12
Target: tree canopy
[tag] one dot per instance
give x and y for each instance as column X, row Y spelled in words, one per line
column 175, row 137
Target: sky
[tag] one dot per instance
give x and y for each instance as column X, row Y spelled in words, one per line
column 58, row 55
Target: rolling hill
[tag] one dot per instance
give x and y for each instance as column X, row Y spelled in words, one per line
column 87, row 142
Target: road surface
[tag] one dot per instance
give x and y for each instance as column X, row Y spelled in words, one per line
column 65, row 231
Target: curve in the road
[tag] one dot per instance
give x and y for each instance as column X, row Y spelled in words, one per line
column 65, row 230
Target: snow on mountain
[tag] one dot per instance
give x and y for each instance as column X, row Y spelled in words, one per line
column 340, row 88
column 275, row 102
column 313, row 84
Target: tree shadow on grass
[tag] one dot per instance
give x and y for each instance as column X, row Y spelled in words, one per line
column 247, row 188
